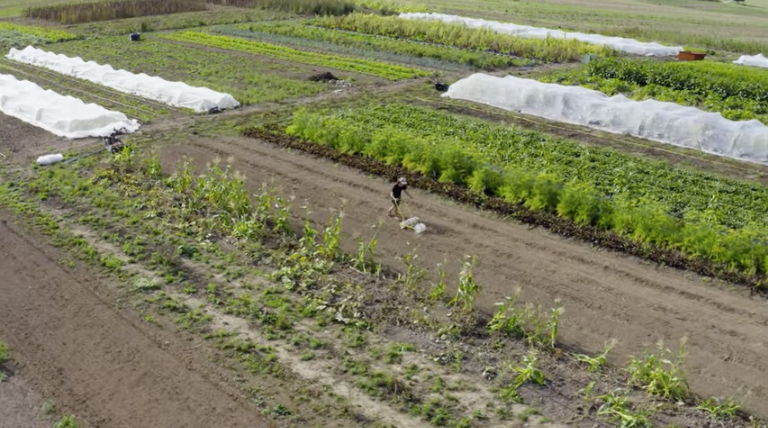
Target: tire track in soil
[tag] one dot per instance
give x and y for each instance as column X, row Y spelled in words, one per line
column 605, row 294
column 73, row 346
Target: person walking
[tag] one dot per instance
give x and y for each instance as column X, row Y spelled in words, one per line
column 396, row 195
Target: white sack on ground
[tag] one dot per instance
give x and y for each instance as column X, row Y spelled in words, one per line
column 155, row 88
column 61, row 115
column 654, row 120
column 755, row 61
column 631, row 46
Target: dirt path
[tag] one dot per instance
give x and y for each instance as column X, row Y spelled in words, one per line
column 606, row 295
column 20, row 407
column 73, row 345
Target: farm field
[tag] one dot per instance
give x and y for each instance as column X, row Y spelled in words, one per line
column 236, row 266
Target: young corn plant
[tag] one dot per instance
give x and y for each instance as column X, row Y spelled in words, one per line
column 307, row 242
column 618, row 409
column 508, row 320
column 528, row 371
column 660, row 375
column 468, row 288
column 364, row 260
column 413, row 274
column 3, row 353
column 716, row 408
column 554, row 323
column 329, row 245
column 597, row 363
column 438, row 290
column 181, row 180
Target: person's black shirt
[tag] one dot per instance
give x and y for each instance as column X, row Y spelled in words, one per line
column 397, row 190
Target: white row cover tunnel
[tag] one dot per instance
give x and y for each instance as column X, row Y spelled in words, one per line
column 176, row 94
column 619, row 43
column 753, row 61
column 664, row 122
column 61, row 115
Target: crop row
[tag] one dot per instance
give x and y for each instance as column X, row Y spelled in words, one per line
column 75, row 13
column 461, row 36
column 698, row 214
column 376, row 44
column 342, row 50
column 248, row 80
column 386, row 71
column 46, row 34
column 731, row 108
column 702, row 77
column 733, row 89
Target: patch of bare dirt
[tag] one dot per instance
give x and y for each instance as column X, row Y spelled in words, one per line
column 98, row 361
column 20, row 407
column 23, row 142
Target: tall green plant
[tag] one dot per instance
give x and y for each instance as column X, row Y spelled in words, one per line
column 467, row 288
column 660, row 374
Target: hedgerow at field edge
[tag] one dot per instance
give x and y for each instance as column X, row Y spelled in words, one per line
column 76, row 13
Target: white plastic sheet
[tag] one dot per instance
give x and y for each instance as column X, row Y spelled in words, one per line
column 619, row 43
column 654, row 120
column 61, row 115
column 755, row 61
column 152, row 87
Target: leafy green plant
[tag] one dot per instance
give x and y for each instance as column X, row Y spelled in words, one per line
column 67, row 421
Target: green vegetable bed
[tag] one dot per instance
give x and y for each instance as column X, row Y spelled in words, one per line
column 699, row 214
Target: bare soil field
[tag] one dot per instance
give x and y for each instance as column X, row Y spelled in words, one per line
column 605, row 295
column 113, row 370
column 20, row 407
